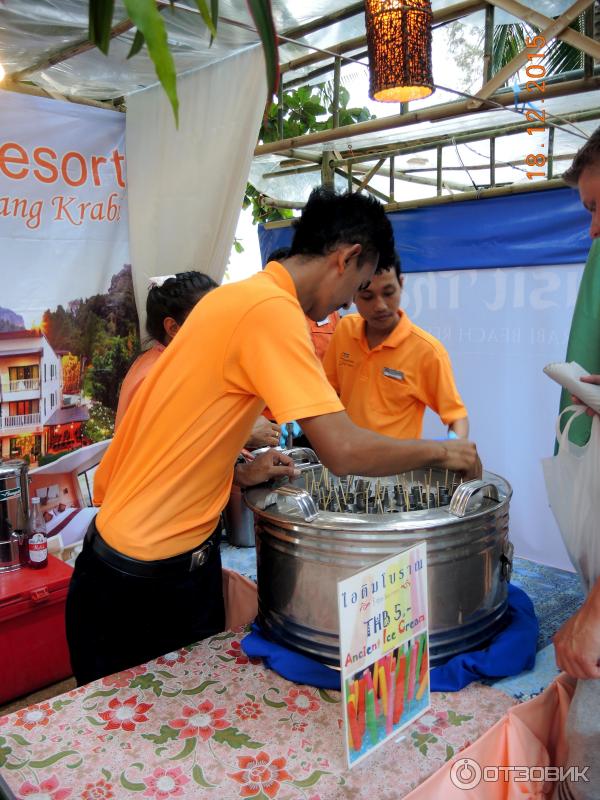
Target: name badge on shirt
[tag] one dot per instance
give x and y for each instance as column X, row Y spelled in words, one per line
column 393, row 373
column 322, row 322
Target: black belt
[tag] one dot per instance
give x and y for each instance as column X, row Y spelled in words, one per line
column 166, row 567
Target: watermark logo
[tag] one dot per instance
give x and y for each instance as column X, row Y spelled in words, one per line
column 466, row 773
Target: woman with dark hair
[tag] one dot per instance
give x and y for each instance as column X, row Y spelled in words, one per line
column 170, row 300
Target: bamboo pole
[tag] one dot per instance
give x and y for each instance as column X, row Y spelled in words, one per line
column 354, row 181
column 498, row 191
column 451, row 110
column 274, row 203
column 551, row 157
column 315, row 73
column 488, row 43
column 440, row 17
column 429, row 143
column 326, row 21
column 444, row 184
column 327, row 170
column 549, row 32
column 36, row 91
column 370, row 174
column 538, row 20
column 64, row 53
column 304, row 155
column 400, row 174
column 313, row 58
column 336, row 92
column 283, row 173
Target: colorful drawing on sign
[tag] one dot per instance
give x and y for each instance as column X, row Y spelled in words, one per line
column 384, row 650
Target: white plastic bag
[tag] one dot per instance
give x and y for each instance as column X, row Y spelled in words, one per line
column 573, row 486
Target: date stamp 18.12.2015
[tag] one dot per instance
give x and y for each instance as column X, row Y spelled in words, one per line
column 536, row 114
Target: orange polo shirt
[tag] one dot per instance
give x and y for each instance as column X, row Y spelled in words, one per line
column 136, row 374
column 320, row 334
column 322, row 331
column 167, row 474
column 387, row 389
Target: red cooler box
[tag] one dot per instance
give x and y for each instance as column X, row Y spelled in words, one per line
column 33, row 640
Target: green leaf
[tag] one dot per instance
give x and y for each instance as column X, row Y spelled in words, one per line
column 344, row 97
column 100, row 23
column 76, row 764
column 101, row 693
column 311, row 780
column 106, row 773
column 99, row 723
column 449, row 752
column 458, row 719
column 199, row 689
column 60, row 704
column 206, row 16
column 166, row 734
column 145, row 16
column 314, row 108
column 187, row 748
column 226, row 658
column 16, row 765
column 147, row 681
column 198, row 776
column 48, row 762
column 263, row 19
column 250, row 696
column 272, row 703
column 137, row 44
column 214, row 10
column 16, row 737
column 234, row 738
column 164, row 674
column 327, row 697
column 4, row 754
column 133, row 787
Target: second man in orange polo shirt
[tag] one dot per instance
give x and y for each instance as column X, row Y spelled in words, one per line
column 387, row 371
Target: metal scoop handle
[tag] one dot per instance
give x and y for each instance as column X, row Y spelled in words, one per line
column 302, row 498
column 462, row 496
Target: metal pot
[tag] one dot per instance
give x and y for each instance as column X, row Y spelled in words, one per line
column 303, row 550
column 14, row 512
column 239, row 520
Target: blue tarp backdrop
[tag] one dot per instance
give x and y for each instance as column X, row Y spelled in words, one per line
column 529, row 229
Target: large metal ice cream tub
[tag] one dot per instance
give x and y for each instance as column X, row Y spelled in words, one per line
column 319, row 528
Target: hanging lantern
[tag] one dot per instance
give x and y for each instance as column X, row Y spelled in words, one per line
column 399, row 42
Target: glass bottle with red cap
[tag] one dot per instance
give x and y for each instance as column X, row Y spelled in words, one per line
column 37, row 544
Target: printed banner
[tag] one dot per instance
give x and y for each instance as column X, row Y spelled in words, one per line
column 384, row 649
column 68, row 324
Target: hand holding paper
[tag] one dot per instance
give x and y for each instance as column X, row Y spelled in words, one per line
column 574, row 378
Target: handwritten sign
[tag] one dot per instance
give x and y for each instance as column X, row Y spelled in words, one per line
column 384, row 649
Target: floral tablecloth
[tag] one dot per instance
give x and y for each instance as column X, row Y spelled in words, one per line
column 207, row 722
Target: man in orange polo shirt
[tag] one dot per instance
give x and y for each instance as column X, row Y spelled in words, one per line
column 148, row 580
column 386, row 370
column 320, row 331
